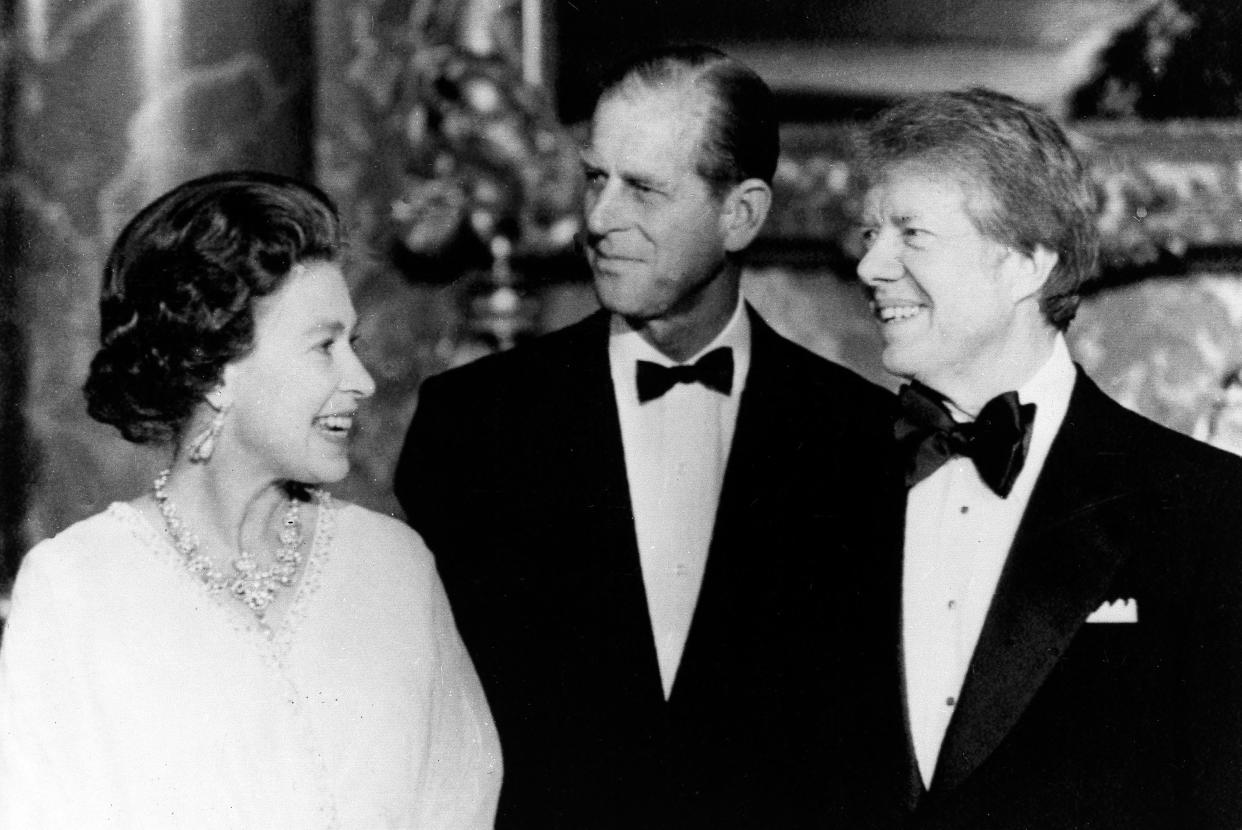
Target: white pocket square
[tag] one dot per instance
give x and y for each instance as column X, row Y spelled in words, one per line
column 1117, row 611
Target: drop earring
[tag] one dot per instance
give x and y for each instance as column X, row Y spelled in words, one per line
column 204, row 444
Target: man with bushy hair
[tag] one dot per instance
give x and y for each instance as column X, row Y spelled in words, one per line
column 1071, row 593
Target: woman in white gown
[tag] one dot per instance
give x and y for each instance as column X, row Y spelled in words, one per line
column 236, row 648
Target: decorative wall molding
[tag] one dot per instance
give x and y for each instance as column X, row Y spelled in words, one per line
column 1171, row 195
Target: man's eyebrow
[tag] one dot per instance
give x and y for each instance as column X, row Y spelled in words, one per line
column 645, row 180
column 631, row 178
column 903, row 218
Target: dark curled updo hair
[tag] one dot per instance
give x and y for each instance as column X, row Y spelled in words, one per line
column 179, row 287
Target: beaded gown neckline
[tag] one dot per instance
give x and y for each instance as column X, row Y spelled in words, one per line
column 280, row 630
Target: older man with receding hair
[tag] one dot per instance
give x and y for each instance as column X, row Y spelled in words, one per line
column 648, row 522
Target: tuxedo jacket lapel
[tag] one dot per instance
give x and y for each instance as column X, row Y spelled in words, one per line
column 758, row 443
column 597, row 475
column 1056, row 574
column 594, row 477
column 767, row 439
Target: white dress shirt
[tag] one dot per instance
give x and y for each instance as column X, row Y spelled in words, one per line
column 958, row 535
column 676, row 449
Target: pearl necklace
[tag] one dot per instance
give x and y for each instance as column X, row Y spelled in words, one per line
column 254, row 587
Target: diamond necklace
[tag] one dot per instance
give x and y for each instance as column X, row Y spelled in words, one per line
column 250, row 585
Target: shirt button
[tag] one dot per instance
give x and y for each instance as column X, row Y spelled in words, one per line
column 950, row 701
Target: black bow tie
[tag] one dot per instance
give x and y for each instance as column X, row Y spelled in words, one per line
column 714, row 370
column 996, row 441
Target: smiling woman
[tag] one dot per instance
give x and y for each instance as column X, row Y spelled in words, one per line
column 294, row 396
column 235, row 648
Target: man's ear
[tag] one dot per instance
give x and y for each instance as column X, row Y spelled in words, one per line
column 744, row 211
column 1031, row 271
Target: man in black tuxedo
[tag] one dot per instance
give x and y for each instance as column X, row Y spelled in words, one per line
column 649, row 523
column 1071, row 598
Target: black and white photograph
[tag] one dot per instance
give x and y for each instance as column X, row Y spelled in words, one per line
column 621, row 414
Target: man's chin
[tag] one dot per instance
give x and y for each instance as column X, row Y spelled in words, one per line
column 622, row 303
column 899, row 364
column 613, row 267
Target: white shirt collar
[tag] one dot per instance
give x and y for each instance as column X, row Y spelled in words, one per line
column 1049, row 389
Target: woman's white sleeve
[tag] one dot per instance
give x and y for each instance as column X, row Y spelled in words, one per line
column 462, row 772
column 46, row 752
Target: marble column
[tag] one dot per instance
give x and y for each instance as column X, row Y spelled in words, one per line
column 114, row 102
column 12, row 490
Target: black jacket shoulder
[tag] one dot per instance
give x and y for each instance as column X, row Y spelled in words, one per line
column 1159, row 450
